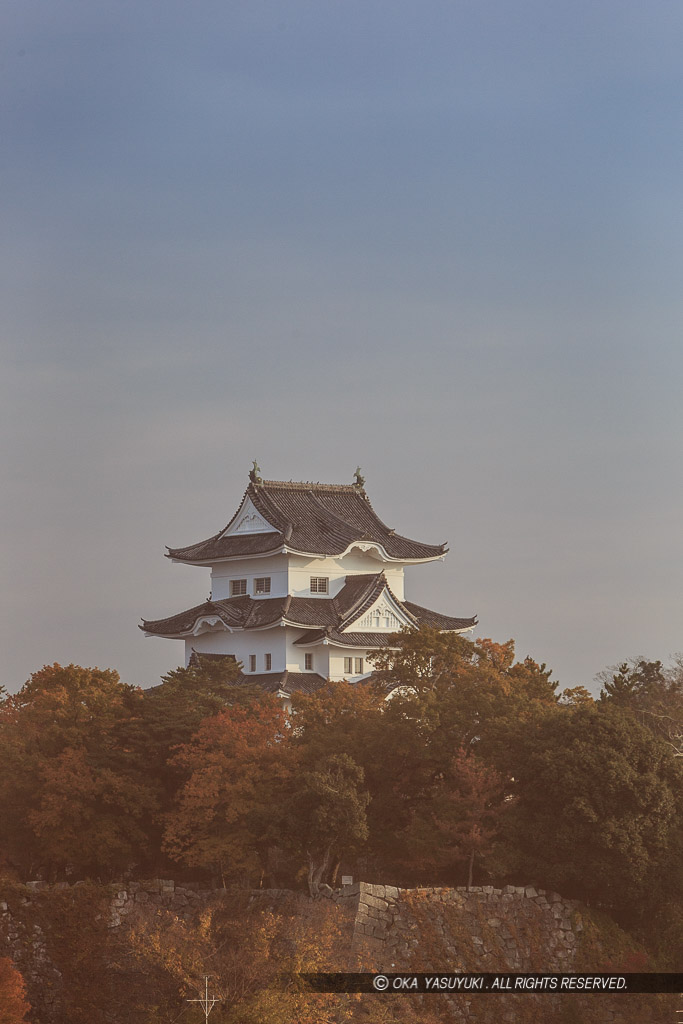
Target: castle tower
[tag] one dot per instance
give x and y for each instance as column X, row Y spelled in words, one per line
column 306, row 581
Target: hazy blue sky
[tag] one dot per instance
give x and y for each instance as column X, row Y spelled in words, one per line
column 443, row 240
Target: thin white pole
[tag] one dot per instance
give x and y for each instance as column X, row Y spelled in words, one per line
column 207, row 1002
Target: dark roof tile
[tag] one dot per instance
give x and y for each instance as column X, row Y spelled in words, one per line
column 367, row 640
column 321, row 519
column 332, row 614
column 436, row 620
column 288, row 682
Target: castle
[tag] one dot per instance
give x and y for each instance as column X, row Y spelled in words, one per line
column 306, row 582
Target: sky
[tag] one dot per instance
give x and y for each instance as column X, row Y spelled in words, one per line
column 442, row 241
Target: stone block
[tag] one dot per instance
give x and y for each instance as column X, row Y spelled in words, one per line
column 36, row 886
column 373, row 901
column 370, row 889
column 530, row 892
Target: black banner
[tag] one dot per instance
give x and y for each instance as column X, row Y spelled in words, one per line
column 441, row 982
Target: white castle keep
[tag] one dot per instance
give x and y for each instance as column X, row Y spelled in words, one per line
column 306, row 582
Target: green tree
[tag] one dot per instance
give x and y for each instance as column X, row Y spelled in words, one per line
column 326, row 815
column 172, row 711
column 650, row 692
column 597, row 808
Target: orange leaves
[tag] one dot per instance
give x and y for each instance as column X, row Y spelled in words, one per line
column 69, row 793
column 235, row 765
column 13, row 1003
column 459, row 818
column 87, row 813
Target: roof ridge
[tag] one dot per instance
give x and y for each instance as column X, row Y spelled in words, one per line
column 254, row 492
column 380, row 581
column 402, row 606
column 308, row 485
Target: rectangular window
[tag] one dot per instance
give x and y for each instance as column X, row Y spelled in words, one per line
column 238, row 588
column 358, row 666
column 262, row 585
column 308, row 662
column 319, row 584
column 267, row 662
column 252, row 662
column 348, row 666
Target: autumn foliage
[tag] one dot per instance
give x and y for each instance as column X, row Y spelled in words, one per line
column 236, row 773
column 13, row 1003
column 456, row 765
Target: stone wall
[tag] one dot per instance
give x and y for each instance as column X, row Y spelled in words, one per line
column 476, row 929
column 389, row 929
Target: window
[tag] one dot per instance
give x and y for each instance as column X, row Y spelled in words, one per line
column 252, row 662
column 319, row 584
column 308, row 662
column 238, row 588
column 348, row 666
column 267, row 662
column 262, row 585
column 358, row 666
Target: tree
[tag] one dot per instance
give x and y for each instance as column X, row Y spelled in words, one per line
column 650, row 692
column 459, row 819
column 72, row 791
column 172, row 712
column 326, row 814
column 597, row 811
column 89, row 816
column 236, row 771
column 13, row 1003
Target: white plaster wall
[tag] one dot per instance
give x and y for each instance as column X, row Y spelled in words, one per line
column 301, row 569
column 248, row 568
column 241, row 645
column 337, row 655
column 295, row 655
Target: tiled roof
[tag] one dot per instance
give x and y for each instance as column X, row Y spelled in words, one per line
column 447, row 623
column 330, row 614
column 321, row 519
column 246, row 612
column 229, row 547
column 288, row 682
column 367, row 640
column 269, row 682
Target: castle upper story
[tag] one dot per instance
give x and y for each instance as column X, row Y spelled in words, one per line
column 306, row 582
